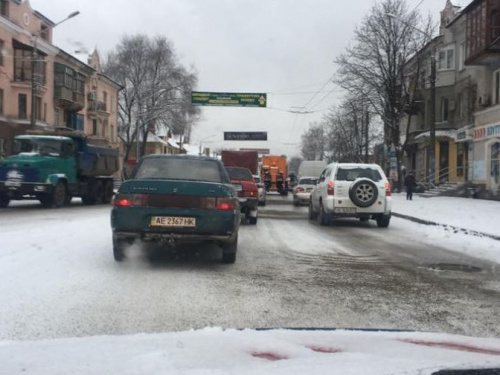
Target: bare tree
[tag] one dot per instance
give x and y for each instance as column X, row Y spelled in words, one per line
column 374, row 65
column 156, row 90
column 313, row 142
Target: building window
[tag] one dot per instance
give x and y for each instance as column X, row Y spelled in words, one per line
column 496, row 87
column 45, row 112
column 38, row 108
column 444, row 109
column 112, row 133
column 4, row 8
column 2, row 46
column 105, row 99
column 56, row 116
column 105, row 128
column 461, row 56
column 1, row 101
column 22, row 100
column 44, row 32
column 22, row 66
column 446, row 59
column 461, row 106
column 112, row 104
column 94, row 126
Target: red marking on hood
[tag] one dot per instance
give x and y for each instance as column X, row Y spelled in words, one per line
column 269, row 356
column 453, row 346
column 324, row 349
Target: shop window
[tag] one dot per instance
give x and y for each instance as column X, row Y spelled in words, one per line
column 495, row 162
column 460, row 159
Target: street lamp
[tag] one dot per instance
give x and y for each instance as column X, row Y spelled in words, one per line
column 34, row 57
column 432, row 80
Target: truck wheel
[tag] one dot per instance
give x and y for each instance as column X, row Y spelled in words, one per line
column 57, row 198
column 4, row 200
column 108, row 192
column 229, row 251
column 99, row 192
column 59, row 194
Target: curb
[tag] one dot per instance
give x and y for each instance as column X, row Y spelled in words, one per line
column 454, row 228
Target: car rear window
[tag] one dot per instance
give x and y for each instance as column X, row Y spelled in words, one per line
column 350, row 174
column 308, row 181
column 179, row 169
column 239, row 174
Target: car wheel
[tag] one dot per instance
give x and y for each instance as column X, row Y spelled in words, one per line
column 118, row 250
column 312, row 215
column 295, row 202
column 264, row 203
column 4, row 200
column 383, row 221
column 252, row 220
column 229, row 251
column 363, row 193
column 322, row 219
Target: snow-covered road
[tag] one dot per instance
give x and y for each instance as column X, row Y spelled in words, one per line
column 58, row 278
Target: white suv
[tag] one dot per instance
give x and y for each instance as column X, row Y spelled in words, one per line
column 351, row 190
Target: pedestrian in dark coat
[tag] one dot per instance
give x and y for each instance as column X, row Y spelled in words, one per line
column 410, row 185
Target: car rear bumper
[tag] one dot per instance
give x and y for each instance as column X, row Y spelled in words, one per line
column 178, row 237
column 343, row 207
column 303, row 197
column 248, row 204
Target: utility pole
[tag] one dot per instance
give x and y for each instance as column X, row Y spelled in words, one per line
column 34, row 89
column 432, row 125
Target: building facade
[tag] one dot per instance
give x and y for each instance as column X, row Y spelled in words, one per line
column 40, row 80
column 467, row 56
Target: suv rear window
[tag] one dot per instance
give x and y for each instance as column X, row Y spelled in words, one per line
column 350, row 174
column 239, row 174
column 179, row 169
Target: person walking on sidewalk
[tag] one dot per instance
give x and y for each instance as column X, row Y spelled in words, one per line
column 410, row 185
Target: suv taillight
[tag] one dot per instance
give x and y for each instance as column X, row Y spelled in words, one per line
column 329, row 188
column 387, row 189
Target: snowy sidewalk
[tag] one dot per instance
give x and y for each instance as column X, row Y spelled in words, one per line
column 471, row 214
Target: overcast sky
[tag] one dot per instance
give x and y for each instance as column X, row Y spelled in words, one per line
column 285, row 48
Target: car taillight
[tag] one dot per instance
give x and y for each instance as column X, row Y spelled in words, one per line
column 299, row 190
column 225, row 204
column 122, row 202
column 387, row 189
column 131, row 200
column 329, row 188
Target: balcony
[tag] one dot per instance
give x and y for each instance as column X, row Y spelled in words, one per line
column 68, row 99
column 96, row 106
column 483, row 32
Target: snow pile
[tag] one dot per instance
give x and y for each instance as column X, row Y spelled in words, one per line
column 472, row 214
column 215, row 351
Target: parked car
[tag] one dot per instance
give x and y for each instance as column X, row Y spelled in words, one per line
column 351, row 190
column 177, row 198
column 302, row 192
column 243, row 181
column 261, row 190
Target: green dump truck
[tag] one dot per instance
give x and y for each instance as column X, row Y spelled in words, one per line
column 54, row 167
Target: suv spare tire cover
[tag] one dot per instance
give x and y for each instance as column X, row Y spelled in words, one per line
column 363, row 193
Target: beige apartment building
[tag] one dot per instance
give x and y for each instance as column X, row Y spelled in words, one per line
column 67, row 92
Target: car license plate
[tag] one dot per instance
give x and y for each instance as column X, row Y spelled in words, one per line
column 308, row 190
column 169, row 221
column 345, row 210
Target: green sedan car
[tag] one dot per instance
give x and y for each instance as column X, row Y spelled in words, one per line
column 175, row 199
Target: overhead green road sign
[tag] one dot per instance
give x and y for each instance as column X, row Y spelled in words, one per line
column 229, row 99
